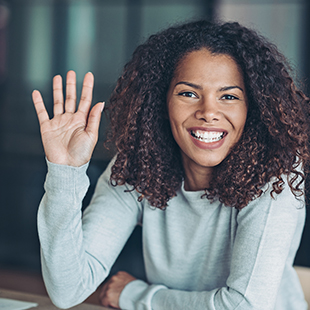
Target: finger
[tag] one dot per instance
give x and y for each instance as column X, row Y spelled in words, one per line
column 87, row 93
column 112, row 298
column 70, row 104
column 58, row 95
column 40, row 107
column 107, row 301
column 102, row 291
column 94, row 119
column 103, row 299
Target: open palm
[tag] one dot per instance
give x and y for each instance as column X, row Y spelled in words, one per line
column 69, row 138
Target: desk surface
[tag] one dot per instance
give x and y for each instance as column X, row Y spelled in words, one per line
column 43, row 301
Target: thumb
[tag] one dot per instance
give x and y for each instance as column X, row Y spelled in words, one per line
column 94, row 119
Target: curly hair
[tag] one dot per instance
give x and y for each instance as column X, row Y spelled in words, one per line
column 275, row 137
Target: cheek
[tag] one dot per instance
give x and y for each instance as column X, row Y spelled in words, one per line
column 244, row 117
column 176, row 119
column 238, row 119
column 173, row 113
column 178, row 112
column 176, row 123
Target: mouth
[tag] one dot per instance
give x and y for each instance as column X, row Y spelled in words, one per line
column 207, row 136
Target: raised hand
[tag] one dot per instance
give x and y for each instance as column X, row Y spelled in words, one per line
column 69, row 138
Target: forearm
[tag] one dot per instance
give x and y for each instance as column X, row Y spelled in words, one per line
column 222, row 298
column 139, row 295
column 65, row 263
column 77, row 254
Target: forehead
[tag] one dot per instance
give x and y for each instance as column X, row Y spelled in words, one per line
column 204, row 66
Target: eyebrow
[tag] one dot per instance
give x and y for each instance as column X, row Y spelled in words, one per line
column 230, row 87
column 189, row 84
column 225, row 88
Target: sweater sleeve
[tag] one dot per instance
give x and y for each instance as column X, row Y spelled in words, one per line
column 77, row 252
column 266, row 239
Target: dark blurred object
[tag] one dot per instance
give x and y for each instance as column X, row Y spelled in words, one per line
column 4, row 19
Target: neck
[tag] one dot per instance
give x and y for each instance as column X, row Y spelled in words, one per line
column 197, row 178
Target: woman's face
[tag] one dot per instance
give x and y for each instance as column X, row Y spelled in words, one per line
column 207, row 108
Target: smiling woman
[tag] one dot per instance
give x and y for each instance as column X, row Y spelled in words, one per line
column 207, row 110
column 212, row 148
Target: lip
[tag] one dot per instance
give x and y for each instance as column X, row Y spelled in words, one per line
column 210, row 145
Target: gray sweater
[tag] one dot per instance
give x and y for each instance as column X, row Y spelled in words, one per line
column 198, row 255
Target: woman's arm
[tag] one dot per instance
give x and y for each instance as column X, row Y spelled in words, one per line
column 75, row 256
column 77, row 253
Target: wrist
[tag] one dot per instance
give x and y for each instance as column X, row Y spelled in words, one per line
column 66, row 161
column 138, row 292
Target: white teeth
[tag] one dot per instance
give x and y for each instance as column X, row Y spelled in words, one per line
column 207, row 136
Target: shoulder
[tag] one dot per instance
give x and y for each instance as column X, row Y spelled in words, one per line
column 284, row 207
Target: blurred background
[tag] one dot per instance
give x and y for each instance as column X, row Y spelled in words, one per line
column 42, row 38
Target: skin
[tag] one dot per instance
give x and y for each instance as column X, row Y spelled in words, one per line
column 111, row 290
column 69, row 138
column 207, row 93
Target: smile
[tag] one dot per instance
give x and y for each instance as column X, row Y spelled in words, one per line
column 207, row 136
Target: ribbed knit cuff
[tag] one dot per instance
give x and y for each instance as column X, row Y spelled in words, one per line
column 137, row 295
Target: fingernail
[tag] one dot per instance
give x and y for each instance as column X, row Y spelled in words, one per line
column 102, row 106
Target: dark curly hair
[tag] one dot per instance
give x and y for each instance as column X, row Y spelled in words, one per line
column 275, row 137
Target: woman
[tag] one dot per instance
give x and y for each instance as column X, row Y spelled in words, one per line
column 212, row 140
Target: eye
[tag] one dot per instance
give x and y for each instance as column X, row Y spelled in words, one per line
column 188, row 94
column 230, row 97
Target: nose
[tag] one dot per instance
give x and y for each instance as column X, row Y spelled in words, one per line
column 208, row 110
